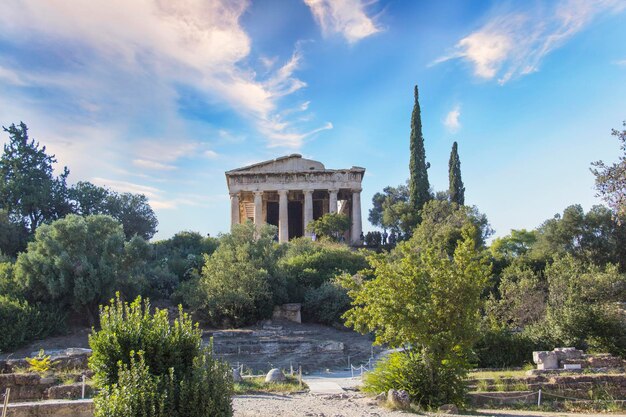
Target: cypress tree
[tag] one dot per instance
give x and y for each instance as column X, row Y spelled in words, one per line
column 456, row 189
column 419, row 188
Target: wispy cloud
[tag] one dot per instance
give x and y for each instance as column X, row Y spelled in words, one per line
column 451, row 121
column 154, row 165
column 148, row 47
column 621, row 63
column 345, row 17
column 514, row 43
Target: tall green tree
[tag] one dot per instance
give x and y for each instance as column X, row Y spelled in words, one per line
column 611, row 179
column 419, row 187
column 30, row 193
column 456, row 188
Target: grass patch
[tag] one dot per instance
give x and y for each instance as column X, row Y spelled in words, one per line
column 258, row 385
column 497, row 374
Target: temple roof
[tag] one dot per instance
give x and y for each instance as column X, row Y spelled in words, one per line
column 290, row 163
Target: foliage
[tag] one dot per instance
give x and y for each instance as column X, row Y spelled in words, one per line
column 582, row 308
column 443, row 224
column 29, row 191
column 183, row 253
column 23, row 322
column 308, row 264
column 171, row 375
column 13, row 236
column 456, row 190
column 325, row 304
column 611, row 179
column 330, row 225
column 515, row 244
column 501, row 348
column 239, row 283
column 40, row 363
column 391, row 210
column 258, row 385
column 521, row 301
column 76, row 262
column 427, row 385
column 594, row 237
column 132, row 327
column 132, row 210
column 423, row 298
column 419, row 187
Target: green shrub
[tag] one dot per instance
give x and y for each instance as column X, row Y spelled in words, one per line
column 428, row 384
column 132, row 328
column 308, row 264
column 169, row 376
column 23, row 322
column 325, row 304
column 504, row 349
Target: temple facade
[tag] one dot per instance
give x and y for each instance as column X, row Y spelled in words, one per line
column 290, row 192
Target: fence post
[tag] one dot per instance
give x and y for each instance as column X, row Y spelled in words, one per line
column 300, row 375
column 82, row 388
column 7, row 392
column 349, row 363
column 539, row 398
column 291, row 368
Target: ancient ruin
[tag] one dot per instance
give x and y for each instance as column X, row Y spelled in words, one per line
column 290, row 192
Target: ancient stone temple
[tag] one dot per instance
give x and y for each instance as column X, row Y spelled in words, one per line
column 290, row 191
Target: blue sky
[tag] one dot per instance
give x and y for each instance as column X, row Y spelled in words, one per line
column 163, row 97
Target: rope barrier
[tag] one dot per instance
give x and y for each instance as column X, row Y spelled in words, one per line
column 506, row 398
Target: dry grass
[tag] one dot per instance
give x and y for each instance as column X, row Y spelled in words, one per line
column 258, row 385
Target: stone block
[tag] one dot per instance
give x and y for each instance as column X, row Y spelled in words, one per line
column 398, row 399
column 546, row 359
column 448, row 409
column 289, row 312
column 68, row 392
column 275, row 375
column 237, row 375
column 568, row 353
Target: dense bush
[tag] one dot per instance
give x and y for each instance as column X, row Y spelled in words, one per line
column 308, row 264
column 427, row 385
column 325, row 304
column 22, row 322
column 78, row 263
column 502, row 348
column 146, row 366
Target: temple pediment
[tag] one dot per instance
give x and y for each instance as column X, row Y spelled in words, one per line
column 290, row 163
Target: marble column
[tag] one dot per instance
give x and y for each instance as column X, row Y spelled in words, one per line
column 258, row 209
column 234, row 209
column 357, row 227
column 308, row 210
column 332, row 201
column 283, row 216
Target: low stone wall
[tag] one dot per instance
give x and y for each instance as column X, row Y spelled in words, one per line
column 26, row 386
column 66, row 359
column 53, row 408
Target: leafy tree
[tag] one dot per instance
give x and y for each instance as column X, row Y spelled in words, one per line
column 611, row 179
column 443, row 224
column 308, row 265
column 132, row 210
column 330, row 225
column 238, row 283
column 13, row 236
column 76, row 262
column 515, row 244
column 29, row 191
column 583, row 306
column 325, row 304
column 594, row 237
column 391, row 210
column 419, row 187
column 456, row 189
column 422, row 298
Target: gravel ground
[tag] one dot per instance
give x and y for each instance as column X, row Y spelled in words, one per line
column 340, row 405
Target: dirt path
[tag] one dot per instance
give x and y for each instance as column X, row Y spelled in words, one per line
column 307, row 405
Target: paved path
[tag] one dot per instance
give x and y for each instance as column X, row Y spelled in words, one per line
column 334, row 382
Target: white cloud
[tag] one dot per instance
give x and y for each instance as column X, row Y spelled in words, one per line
column 621, row 63
column 346, row 17
column 513, row 44
column 452, row 122
column 210, row 154
column 150, row 45
column 159, row 166
column 128, row 187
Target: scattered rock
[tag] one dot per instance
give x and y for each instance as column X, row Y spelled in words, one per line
column 275, row 375
column 399, row 399
column 237, row 375
column 448, row 409
column 381, row 397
